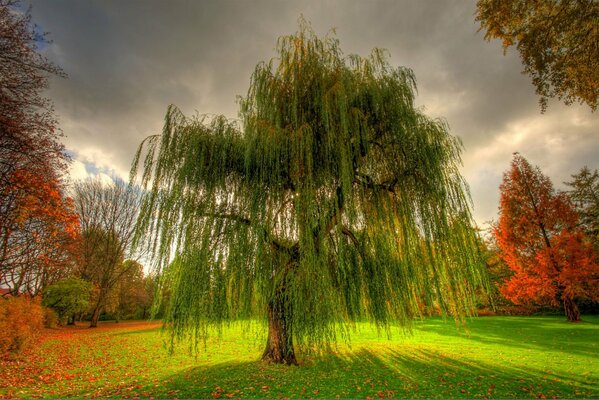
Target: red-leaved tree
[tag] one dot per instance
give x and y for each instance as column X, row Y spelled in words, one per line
column 552, row 261
column 39, row 232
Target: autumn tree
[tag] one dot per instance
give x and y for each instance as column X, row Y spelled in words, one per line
column 28, row 126
column 132, row 296
column 552, row 261
column 39, row 232
column 36, row 219
column 584, row 194
column 68, row 297
column 557, row 41
column 332, row 200
column 107, row 213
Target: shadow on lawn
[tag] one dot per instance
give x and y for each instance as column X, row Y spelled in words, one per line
column 542, row 333
column 415, row 373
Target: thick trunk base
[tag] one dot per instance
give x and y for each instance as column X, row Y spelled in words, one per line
column 279, row 345
column 276, row 355
column 571, row 310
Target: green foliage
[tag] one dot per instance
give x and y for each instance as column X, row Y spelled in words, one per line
column 333, row 196
column 158, row 288
column 68, row 297
column 585, row 196
column 557, row 41
column 498, row 272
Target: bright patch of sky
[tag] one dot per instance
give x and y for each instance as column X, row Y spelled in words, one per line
column 81, row 170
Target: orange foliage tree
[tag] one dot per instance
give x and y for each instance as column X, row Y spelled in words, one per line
column 552, row 261
column 39, row 231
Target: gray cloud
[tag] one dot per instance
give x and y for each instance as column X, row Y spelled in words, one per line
column 127, row 60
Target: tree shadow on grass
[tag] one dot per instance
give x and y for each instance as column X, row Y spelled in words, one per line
column 383, row 373
column 537, row 333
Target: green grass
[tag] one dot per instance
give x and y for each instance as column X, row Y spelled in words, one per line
column 500, row 357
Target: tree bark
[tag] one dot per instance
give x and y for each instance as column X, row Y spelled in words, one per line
column 279, row 345
column 572, row 311
column 98, row 308
column 95, row 316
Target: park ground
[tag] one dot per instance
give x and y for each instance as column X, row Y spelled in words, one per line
column 497, row 357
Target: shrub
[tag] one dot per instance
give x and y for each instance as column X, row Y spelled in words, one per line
column 21, row 320
column 517, row 310
column 485, row 312
column 68, row 297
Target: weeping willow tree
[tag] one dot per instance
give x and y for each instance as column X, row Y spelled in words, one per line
column 332, row 199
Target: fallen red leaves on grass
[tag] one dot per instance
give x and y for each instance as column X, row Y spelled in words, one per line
column 57, row 358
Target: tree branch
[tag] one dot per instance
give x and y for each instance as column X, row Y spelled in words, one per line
column 367, row 181
column 276, row 244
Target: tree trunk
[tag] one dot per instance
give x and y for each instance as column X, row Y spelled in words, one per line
column 279, row 345
column 95, row 316
column 98, row 309
column 572, row 311
column 71, row 320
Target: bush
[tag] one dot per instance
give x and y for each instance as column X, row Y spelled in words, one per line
column 21, row 320
column 68, row 297
column 485, row 312
column 517, row 310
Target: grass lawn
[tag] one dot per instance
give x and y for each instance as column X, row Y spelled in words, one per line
column 501, row 357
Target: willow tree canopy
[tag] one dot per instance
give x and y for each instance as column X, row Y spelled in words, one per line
column 333, row 199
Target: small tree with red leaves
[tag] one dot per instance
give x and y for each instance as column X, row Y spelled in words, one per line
column 552, row 261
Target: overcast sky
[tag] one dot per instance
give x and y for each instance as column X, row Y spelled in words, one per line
column 128, row 60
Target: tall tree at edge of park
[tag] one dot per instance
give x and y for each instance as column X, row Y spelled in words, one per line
column 37, row 222
column 107, row 213
column 557, row 41
column 333, row 199
column 584, row 194
column 552, row 260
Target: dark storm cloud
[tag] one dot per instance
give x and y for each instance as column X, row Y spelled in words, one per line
column 127, row 60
